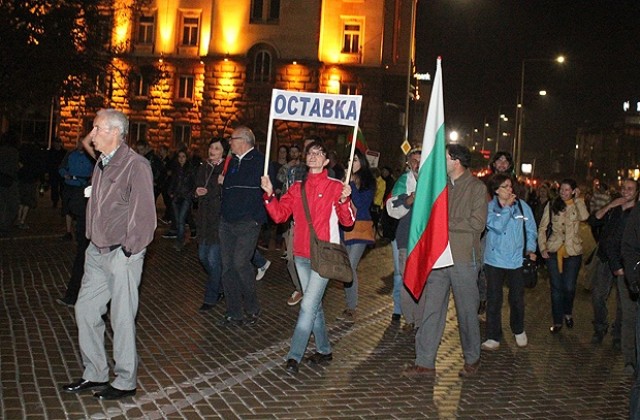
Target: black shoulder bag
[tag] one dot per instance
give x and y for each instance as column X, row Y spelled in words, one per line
column 529, row 268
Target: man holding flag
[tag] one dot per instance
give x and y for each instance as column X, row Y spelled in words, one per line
column 444, row 251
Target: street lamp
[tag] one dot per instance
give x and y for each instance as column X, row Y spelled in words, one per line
column 520, row 107
column 501, row 117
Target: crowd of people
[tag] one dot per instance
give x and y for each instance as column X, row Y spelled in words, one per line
column 495, row 223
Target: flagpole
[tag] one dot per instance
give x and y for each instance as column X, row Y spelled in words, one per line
column 351, row 154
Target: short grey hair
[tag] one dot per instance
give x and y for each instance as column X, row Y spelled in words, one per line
column 115, row 119
column 246, row 134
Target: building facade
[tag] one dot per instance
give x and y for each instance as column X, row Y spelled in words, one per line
column 187, row 70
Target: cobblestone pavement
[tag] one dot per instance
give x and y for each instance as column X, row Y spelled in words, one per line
column 191, row 368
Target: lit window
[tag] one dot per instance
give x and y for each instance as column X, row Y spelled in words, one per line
column 352, row 35
column 139, row 85
column 181, row 135
column 262, row 67
column 137, row 132
column 146, row 29
column 263, row 11
column 185, row 87
column 190, row 27
column 348, row 89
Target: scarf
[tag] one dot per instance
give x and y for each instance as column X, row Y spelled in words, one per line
column 562, row 251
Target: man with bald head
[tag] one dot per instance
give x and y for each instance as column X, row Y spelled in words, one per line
column 121, row 219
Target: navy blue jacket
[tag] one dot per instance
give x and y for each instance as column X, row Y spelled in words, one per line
column 241, row 192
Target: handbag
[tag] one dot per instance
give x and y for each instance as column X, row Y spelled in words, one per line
column 329, row 260
column 362, row 230
column 529, row 268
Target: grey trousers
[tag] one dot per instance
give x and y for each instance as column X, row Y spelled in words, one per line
column 108, row 277
column 460, row 278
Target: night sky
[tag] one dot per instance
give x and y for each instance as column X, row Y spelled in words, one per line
column 483, row 43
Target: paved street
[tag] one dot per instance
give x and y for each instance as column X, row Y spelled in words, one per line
column 190, row 368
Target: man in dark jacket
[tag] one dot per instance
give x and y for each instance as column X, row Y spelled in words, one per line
column 610, row 221
column 242, row 214
column 630, row 249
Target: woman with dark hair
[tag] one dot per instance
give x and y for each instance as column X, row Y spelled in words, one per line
column 561, row 247
column 507, row 220
column 208, row 219
column 181, row 190
column 363, row 188
column 329, row 205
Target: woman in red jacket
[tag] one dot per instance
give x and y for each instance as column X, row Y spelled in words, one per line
column 329, row 206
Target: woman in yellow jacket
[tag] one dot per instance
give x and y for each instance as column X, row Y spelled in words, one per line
column 561, row 247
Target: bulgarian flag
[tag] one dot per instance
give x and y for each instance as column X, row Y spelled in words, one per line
column 428, row 246
column 361, row 143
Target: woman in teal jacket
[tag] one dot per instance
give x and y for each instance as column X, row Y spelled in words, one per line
column 503, row 257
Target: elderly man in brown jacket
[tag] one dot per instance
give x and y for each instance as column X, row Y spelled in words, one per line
column 121, row 220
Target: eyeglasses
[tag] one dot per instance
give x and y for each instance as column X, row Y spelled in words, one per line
column 318, row 153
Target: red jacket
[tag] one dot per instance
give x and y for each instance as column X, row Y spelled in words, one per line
column 327, row 214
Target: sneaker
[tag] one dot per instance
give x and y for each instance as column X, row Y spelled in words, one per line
column 262, row 270
column 348, row 316
column 492, row 345
column 295, row 298
column 227, row 321
column 319, row 358
column 521, row 339
column 170, row 235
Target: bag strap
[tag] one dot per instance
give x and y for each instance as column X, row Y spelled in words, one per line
column 524, row 229
column 312, row 231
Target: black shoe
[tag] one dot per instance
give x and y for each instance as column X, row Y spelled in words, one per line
column 292, row 366
column 65, row 301
column 555, row 329
column 82, row 385
column 111, row 393
column 568, row 321
column 206, row 307
column 253, row 319
column 318, row 358
column 227, row 321
column 220, row 296
column 395, row 317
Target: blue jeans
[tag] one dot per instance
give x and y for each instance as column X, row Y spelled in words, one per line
column 209, row 254
column 311, row 315
column 237, row 245
column 258, row 259
column 563, row 285
column 397, row 278
column 355, row 252
column 181, row 208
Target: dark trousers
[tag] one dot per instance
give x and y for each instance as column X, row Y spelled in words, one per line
column 238, row 242
column 77, row 271
column 634, row 399
column 563, row 285
column 496, row 278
